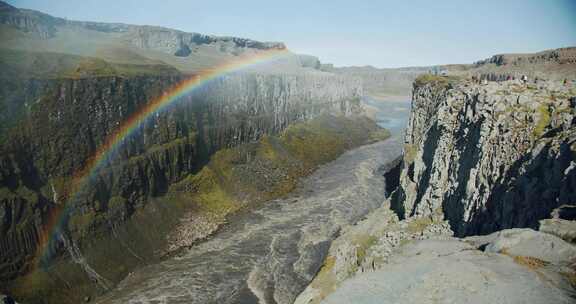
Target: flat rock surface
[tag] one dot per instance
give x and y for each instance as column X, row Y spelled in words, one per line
column 270, row 254
column 450, row 271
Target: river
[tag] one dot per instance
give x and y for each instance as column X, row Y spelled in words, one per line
column 391, row 114
column 270, row 253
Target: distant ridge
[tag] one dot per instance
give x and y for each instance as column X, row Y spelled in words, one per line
column 119, row 43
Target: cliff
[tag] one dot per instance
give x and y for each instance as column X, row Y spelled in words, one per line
column 479, row 158
column 382, row 82
column 488, row 157
column 168, row 167
column 67, row 86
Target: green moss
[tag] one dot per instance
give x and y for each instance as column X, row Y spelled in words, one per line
column 211, row 194
column 171, row 145
column 80, row 224
column 435, row 80
column 409, row 153
column 542, row 122
column 363, row 244
column 40, row 282
column 271, row 167
column 27, row 194
column 311, row 144
column 419, row 224
column 325, row 281
column 117, row 203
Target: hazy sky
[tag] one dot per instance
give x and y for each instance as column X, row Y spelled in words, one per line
column 353, row 32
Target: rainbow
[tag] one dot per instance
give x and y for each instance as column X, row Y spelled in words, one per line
column 58, row 217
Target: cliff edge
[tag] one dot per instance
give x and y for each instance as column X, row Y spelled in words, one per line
column 489, row 156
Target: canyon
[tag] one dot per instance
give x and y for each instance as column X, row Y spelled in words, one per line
column 243, row 138
column 277, row 178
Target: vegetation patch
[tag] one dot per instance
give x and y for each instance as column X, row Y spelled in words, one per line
column 271, row 167
column 419, row 224
column 325, row 281
column 542, row 122
column 363, row 244
column 436, row 80
column 409, row 153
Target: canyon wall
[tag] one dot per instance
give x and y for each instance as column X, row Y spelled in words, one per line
column 488, row 156
column 66, row 120
column 382, row 82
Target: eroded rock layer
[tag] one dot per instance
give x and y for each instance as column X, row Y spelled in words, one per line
column 488, row 156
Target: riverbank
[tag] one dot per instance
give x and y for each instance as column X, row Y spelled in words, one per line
column 273, row 251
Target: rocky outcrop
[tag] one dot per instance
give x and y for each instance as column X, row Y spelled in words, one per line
column 368, row 246
column 511, row 266
column 563, row 229
column 488, row 157
column 179, row 43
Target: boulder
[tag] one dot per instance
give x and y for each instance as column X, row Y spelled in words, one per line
column 563, row 229
column 531, row 243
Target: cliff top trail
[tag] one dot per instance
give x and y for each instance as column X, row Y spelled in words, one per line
column 269, row 254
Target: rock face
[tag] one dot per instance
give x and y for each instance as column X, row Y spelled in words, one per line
column 68, row 119
column 478, row 158
column 488, row 157
column 563, row 229
column 382, row 82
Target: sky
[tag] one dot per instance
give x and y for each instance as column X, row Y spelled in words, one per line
column 347, row 32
